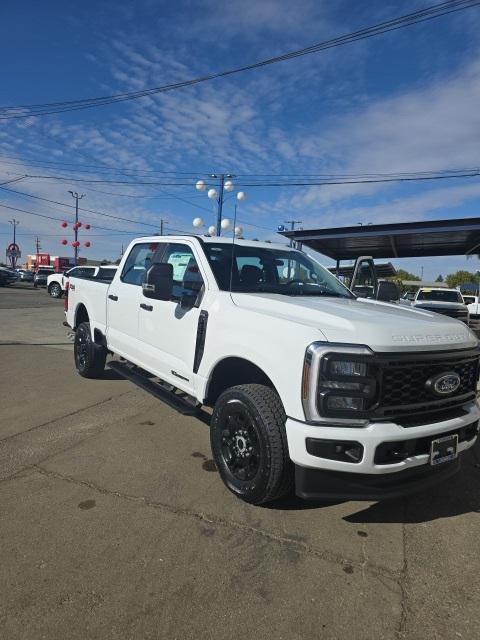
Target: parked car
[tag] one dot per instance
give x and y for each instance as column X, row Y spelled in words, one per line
column 25, row 275
column 342, row 397
column 41, row 275
column 448, row 302
column 472, row 303
column 57, row 282
column 7, row 276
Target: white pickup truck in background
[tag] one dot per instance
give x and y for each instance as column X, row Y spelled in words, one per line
column 343, row 398
column 57, row 282
column 472, row 303
column 448, row 302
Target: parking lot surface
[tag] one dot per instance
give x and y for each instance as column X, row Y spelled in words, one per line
column 114, row 523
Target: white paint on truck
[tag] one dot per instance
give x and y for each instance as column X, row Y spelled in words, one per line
column 276, row 312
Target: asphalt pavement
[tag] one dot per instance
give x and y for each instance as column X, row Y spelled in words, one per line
column 115, row 524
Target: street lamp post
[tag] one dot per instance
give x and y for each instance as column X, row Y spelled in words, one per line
column 75, row 226
column 225, row 185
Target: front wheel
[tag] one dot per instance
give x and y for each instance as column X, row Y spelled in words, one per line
column 249, row 443
column 89, row 357
column 55, row 290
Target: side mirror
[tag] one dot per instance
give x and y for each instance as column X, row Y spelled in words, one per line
column 158, row 282
column 388, row 291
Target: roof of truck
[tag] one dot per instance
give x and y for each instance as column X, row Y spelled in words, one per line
column 215, row 239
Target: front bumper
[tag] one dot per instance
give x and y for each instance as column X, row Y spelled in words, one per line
column 315, row 484
column 371, row 437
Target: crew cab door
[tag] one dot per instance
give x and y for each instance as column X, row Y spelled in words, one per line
column 123, row 301
column 168, row 328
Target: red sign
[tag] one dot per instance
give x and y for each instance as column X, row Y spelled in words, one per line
column 43, row 259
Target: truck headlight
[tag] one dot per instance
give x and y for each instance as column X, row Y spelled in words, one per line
column 339, row 383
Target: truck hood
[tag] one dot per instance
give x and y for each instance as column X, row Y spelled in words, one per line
column 381, row 326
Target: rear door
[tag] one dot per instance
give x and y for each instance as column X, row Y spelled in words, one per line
column 168, row 330
column 123, row 301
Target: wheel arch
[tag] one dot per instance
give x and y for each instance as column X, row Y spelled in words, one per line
column 81, row 315
column 232, row 371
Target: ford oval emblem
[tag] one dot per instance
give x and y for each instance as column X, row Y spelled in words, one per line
column 443, row 384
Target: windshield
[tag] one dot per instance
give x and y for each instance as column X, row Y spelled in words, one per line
column 262, row 270
column 440, row 296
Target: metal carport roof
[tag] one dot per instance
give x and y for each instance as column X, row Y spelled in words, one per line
column 400, row 240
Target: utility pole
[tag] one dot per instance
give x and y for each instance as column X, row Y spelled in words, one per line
column 292, row 224
column 75, row 227
column 162, row 222
column 421, row 275
column 37, row 244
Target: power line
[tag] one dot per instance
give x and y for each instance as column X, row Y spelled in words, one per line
column 289, row 182
column 416, row 17
column 44, row 215
column 64, row 204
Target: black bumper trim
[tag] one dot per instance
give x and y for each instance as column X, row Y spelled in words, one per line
column 318, row 484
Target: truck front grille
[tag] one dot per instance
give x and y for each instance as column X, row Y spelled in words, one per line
column 403, row 394
column 458, row 314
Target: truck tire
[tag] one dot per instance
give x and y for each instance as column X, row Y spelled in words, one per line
column 249, row 443
column 55, row 290
column 89, row 357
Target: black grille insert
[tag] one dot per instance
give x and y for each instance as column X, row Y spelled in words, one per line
column 403, row 394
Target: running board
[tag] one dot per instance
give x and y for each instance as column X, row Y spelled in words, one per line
column 174, row 400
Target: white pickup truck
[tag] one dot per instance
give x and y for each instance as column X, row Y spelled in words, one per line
column 449, row 302
column 341, row 397
column 57, row 282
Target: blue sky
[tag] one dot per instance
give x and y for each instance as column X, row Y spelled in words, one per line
column 405, row 101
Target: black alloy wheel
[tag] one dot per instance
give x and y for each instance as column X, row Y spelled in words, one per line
column 240, row 446
column 89, row 357
column 249, row 443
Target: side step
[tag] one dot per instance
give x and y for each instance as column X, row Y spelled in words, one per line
column 174, row 400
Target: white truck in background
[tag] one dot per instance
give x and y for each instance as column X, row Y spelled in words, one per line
column 57, row 282
column 311, row 387
column 448, row 302
column 472, row 303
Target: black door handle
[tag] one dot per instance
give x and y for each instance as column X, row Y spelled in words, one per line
column 112, row 297
column 147, row 307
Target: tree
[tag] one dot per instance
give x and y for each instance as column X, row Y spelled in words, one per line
column 400, row 276
column 454, row 279
column 439, row 279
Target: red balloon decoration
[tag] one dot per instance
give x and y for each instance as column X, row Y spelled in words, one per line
column 64, row 242
column 64, row 225
column 87, row 226
column 79, row 224
column 76, row 243
column 87, row 243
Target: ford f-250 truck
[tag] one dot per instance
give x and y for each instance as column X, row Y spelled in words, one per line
column 342, row 398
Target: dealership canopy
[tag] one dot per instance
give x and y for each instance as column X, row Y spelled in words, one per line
column 400, row 240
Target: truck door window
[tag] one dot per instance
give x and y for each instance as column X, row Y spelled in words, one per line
column 138, row 262
column 187, row 279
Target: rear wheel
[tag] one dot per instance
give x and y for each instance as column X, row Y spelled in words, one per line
column 89, row 357
column 55, row 290
column 249, row 443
